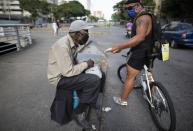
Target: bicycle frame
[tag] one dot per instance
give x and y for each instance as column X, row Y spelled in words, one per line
column 156, row 95
column 144, row 77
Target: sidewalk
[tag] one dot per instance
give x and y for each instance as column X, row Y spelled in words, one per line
column 26, row 94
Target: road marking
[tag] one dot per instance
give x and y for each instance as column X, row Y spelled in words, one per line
column 92, row 33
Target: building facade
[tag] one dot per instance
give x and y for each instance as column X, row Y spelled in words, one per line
column 10, row 9
column 98, row 14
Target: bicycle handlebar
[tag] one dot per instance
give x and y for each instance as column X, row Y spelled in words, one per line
column 124, row 55
column 154, row 55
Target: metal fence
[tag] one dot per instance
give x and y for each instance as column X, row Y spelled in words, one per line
column 14, row 36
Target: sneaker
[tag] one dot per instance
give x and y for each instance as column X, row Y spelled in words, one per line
column 118, row 100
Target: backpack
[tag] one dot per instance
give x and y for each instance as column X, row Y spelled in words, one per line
column 156, row 37
column 159, row 48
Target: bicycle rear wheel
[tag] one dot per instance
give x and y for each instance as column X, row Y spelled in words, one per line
column 122, row 72
column 122, row 75
column 163, row 112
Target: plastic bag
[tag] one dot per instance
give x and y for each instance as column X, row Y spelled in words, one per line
column 94, row 70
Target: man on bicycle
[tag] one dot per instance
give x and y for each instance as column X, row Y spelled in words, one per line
column 140, row 44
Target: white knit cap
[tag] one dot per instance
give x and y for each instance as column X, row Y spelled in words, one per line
column 79, row 25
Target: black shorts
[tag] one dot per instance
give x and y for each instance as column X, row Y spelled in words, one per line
column 138, row 59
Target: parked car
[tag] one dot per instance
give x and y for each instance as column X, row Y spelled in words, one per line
column 178, row 33
column 41, row 25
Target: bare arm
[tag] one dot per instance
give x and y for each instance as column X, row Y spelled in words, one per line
column 142, row 25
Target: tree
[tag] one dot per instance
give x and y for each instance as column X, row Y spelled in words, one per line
column 177, row 8
column 30, row 6
column 93, row 18
column 72, row 9
column 148, row 2
column 121, row 11
column 35, row 7
column 116, row 17
column 44, row 7
column 67, row 10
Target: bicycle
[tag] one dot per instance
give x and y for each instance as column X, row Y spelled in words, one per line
column 155, row 94
column 128, row 33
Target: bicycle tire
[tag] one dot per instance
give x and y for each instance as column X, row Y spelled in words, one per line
column 119, row 73
column 171, row 109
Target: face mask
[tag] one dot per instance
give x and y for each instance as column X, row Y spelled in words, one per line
column 132, row 13
column 84, row 39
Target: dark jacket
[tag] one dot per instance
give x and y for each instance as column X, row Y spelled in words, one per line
column 61, row 108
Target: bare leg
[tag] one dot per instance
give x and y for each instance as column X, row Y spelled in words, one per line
column 129, row 82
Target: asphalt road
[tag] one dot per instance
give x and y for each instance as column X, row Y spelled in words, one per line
column 176, row 75
column 25, row 94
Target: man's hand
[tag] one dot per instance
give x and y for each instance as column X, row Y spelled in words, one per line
column 90, row 63
column 116, row 49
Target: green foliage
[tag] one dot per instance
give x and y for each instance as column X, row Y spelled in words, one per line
column 35, row 7
column 177, row 8
column 93, row 18
column 148, row 2
column 67, row 10
column 44, row 7
column 31, row 6
column 121, row 12
column 71, row 9
column 87, row 12
column 116, row 17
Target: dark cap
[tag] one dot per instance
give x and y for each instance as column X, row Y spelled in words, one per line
column 131, row 1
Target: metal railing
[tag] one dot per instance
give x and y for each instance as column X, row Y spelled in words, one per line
column 14, row 34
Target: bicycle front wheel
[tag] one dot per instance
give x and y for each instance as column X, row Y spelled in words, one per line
column 163, row 112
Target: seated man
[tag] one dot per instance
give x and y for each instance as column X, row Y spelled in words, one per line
column 65, row 73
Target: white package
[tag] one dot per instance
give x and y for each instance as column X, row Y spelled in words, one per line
column 94, row 70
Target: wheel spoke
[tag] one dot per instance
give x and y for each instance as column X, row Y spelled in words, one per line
column 161, row 110
column 122, row 75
